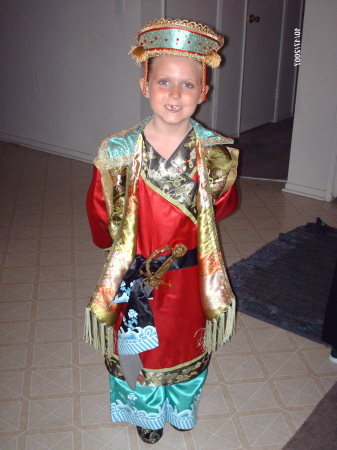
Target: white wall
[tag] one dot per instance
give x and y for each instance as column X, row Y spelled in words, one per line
column 66, row 77
column 314, row 151
column 292, row 16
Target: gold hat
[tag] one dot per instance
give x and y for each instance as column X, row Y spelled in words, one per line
column 178, row 37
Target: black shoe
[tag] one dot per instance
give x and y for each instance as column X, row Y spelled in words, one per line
column 181, row 429
column 149, row 436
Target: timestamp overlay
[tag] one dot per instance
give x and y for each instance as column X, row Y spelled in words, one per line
column 297, row 47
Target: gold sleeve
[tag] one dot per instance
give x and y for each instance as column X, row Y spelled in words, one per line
column 222, row 163
column 114, row 191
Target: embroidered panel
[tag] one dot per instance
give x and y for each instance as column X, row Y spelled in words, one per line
column 173, row 177
column 163, row 377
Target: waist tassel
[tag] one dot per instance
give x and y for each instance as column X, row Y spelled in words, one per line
column 218, row 331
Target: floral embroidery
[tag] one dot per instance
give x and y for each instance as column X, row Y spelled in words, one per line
column 174, row 176
column 167, row 377
column 132, row 319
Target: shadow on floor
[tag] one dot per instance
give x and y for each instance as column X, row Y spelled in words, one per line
column 265, row 151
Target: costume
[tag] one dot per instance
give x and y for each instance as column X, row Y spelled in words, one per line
column 159, row 216
column 178, row 313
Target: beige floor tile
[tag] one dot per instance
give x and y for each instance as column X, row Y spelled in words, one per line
column 252, row 396
column 9, row 443
column 266, row 429
column 283, row 364
column 55, row 243
column 93, row 378
column 211, row 434
column 55, row 258
column 60, row 230
column 11, row 384
column 243, row 367
column 54, row 354
column 298, row 391
column 115, row 438
column 50, row 413
column 10, row 416
column 95, row 410
column 14, row 332
column 61, row 440
column 300, row 416
column 51, row 381
column 270, row 340
column 54, row 289
column 20, row 259
column 15, row 311
column 18, row 275
column 23, row 245
column 52, row 309
column 213, row 401
column 13, row 357
column 53, row 330
column 318, row 360
column 55, row 273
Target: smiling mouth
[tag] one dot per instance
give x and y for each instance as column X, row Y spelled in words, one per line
column 173, row 108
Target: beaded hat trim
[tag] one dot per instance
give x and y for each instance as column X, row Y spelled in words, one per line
column 178, row 37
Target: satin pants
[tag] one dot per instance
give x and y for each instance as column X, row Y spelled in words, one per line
column 151, row 407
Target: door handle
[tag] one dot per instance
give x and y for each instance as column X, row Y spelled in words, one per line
column 253, row 18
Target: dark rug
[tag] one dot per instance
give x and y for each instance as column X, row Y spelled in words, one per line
column 319, row 431
column 287, row 281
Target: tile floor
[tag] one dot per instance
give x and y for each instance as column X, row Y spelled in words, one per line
column 54, row 387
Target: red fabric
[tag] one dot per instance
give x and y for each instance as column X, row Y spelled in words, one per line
column 227, row 203
column 97, row 212
column 177, row 309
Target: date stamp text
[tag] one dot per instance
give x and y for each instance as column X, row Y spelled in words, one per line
column 297, row 47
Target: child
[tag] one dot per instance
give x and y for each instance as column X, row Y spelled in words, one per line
column 163, row 303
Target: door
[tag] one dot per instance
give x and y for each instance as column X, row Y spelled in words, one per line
column 261, row 62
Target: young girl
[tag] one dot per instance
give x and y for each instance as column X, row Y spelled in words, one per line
column 163, row 303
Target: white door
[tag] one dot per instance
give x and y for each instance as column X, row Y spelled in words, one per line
column 261, row 62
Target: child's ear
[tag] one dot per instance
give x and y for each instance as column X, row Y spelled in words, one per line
column 201, row 99
column 144, row 87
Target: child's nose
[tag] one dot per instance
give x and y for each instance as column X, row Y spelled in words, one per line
column 175, row 92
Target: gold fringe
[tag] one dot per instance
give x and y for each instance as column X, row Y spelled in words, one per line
column 111, row 335
column 87, row 327
column 218, row 331
column 98, row 334
column 102, row 337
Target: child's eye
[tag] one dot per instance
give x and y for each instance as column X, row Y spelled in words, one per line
column 163, row 82
column 188, row 85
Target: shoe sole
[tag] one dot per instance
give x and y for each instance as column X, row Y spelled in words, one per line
column 332, row 359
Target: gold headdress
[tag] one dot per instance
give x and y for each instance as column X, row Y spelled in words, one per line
column 181, row 38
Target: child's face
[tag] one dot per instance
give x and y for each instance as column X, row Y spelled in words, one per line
column 174, row 88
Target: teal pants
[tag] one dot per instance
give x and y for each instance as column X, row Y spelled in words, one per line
column 150, row 407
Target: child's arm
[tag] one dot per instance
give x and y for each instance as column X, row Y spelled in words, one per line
column 222, row 162
column 97, row 213
column 227, row 203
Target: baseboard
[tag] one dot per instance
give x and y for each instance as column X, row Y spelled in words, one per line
column 305, row 191
column 48, row 148
column 283, row 117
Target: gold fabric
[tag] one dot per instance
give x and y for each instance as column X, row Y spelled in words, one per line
column 162, row 377
column 215, row 164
